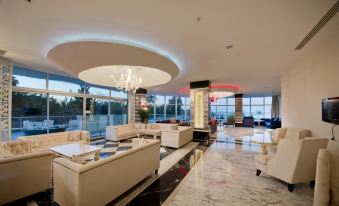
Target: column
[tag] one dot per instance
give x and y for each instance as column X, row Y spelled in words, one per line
column 199, row 104
column 238, row 110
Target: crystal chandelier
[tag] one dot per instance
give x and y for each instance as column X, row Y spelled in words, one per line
column 128, row 81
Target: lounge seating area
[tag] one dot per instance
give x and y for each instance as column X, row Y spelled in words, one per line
column 182, row 103
column 295, row 158
column 171, row 135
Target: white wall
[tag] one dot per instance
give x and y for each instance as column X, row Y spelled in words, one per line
column 305, row 84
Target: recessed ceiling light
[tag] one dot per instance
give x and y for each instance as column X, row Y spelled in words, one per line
column 198, row 18
column 229, row 46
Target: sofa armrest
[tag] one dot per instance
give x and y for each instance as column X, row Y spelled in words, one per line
column 67, row 163
column 170, row 131
column 85, row 136
column 25, row 157
column 112, row 133
column 323, row 175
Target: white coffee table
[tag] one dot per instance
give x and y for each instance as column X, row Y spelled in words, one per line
column 148, row 132
column 75, row 149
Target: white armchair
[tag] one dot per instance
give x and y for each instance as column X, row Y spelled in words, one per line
column 176, row 138
column 295, row 160
column 327, row 178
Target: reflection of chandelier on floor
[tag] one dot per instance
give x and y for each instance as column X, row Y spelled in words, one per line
column 129, row 82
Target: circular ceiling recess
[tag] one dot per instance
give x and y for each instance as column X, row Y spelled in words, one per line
column 102, row 63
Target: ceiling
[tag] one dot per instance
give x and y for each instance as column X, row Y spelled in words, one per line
column 193, row 34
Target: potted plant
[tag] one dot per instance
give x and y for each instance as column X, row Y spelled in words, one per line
column 143, row 113
column 231, row 119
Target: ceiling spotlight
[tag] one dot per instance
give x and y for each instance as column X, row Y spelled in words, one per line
column 198, row 18
column 229, row 46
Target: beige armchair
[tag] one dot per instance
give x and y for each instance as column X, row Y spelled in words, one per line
column 295, row 160
column 327, row 178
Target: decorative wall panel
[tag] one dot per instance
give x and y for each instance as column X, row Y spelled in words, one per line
column 5, row 98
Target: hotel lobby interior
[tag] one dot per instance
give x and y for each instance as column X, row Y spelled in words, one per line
column 174, row 103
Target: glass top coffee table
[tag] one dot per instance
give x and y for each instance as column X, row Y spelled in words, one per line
column 75, row 149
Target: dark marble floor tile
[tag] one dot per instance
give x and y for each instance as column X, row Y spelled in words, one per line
column 159, row 191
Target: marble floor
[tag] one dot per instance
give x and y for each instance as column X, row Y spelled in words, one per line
column 225, row 175
column 221, row 174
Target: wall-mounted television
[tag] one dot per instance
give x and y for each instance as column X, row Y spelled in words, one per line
column 330, row 110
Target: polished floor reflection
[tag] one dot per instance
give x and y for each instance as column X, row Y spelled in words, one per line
column 225, row 175
column 158, row 192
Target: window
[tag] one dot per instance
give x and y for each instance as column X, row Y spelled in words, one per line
column 65, row 113
column 118, row 112
column 257, row 107
column 166, row 107
column 28, row 78
column 97, row 117
column 66, row 108
column 160, row 107
column 223, row 108
column 170, row 107
column 97, row 90
column 120, row 94
column 65, row 84
column 29, row 114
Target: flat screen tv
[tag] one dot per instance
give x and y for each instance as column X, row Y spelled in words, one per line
column 330, row 110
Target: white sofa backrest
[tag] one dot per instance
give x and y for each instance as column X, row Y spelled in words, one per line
column 163, row 126
column 326, row 190
column 124, row 128
column 55, row 138
column 183, row 128
column 297, row 133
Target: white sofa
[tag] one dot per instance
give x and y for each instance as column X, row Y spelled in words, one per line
column 43, row 142
column 326, row 190
column 120, row 132
column 23, row 173
column 100, row 182
column 126, row 131
column 295, row 160
column 176, row 138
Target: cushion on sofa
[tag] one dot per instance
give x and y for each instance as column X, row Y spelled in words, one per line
column 20, row 147
column 153, row 126
column 174, row 127
column 279, row 134
column 5, row 153
column 297, row 133
column 74, row 136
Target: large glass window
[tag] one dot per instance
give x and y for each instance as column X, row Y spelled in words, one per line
column 65, row 113
column 160, row 108
column 97, row 117
column 170, row 107
column 29, row 114
column 96, row 90
column 223, row 108
column 257, row 107
column 118, row 112
column 65, row 84
column 28, row 78
column 166, row 107
column 29, row 110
